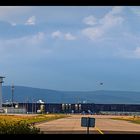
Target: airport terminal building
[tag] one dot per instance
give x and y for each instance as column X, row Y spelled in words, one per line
column 78, row 108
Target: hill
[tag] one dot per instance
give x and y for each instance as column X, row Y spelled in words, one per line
column 29, row 94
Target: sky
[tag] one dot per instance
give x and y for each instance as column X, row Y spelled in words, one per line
column 71, row 48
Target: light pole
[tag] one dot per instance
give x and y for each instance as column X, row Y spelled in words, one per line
column 32, row 106
column 12, row 88
column 27, row 104
column 35, row 107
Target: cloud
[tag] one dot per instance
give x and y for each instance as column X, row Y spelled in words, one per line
column 11, row 30
column 93, row 32
column 135, row 10
column 137, row 52
column 24, row 48
column 31, row 21
column 13, row 24
column 14, row 13
column 109, row 21
column 133, row 54
column 116, row 10
column 60, row 35
column 23, row 42
column 37, row 38
column 90, row 20
column 8, row 10
column 128, row 46
column 69, row 36
column 56, row 34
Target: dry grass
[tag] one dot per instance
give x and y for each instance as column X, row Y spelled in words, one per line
column 133, row 119
column 23, row 124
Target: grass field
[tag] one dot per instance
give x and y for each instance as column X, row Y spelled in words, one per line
column 133, row 119
column 24, row 124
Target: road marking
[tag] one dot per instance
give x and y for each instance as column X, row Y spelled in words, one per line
column 99, row 130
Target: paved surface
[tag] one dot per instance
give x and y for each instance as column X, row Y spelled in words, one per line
column 72, row 125
column 105, row 123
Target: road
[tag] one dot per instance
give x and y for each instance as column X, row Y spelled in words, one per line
column 103, row 123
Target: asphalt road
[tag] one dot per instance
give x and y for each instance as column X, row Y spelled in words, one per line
column 103, row 124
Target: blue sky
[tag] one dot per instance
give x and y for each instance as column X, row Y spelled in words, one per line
column 71, row 47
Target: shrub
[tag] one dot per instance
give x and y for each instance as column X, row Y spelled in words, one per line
column 17, row 127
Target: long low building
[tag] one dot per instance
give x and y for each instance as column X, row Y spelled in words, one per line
column 76, row 108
